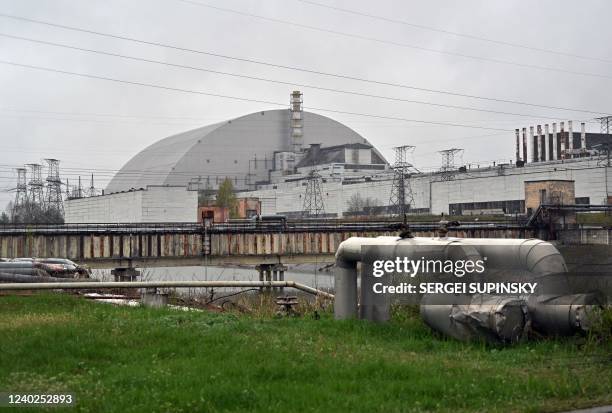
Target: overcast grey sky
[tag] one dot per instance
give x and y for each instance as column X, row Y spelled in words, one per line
column 97, row 125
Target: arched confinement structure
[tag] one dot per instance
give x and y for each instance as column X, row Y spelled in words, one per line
column 506, row 318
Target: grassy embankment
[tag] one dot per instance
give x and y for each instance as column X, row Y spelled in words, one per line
column 119, row 359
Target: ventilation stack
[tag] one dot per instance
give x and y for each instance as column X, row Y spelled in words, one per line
column 534, row 142
column 555, row 142
column 562, row 137
column 570, row 139
column 525, row 145
column 583, row 146
column 518, row 146
column 297, row 121
column 538, row 139
column 548, row 143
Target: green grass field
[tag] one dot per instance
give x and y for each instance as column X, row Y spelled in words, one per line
column 120, row 359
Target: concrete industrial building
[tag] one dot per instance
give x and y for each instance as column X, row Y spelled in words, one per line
column 150, row 204
column 252, row 150
column 494, row 189
column 274, row 156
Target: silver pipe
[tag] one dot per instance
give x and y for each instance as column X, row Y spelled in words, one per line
column 374, row 307
column 160, row 284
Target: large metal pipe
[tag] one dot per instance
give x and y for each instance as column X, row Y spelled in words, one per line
column 564, row 315
column 493, row 318
column 533, row 258
column 375, row 307
column 162, row 284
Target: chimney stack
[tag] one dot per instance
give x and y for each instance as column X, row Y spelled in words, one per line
column 296, row 121
column 570, row 138
column 549, row 154
column 518, row 145
column 538, row 138
column 582, row 137
column 555, row 141
column 525, row 145
column 562, row 137
column 534, row 143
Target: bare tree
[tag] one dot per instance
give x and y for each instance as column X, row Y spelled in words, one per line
column 358, row 205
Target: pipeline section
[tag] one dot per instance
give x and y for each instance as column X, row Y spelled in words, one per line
column 493, row 318
column 80, row 284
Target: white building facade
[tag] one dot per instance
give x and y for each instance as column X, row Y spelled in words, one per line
column 498, row 187
column 150, row 204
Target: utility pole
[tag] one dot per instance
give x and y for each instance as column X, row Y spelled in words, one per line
column 313, row 197
column 401, row 198
column 53, row 198
column 448, row 163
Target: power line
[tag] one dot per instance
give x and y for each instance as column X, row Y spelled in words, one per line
column 294, row 68
column 292, row 84
column 174, row 89
column 453, row 33
column 393, row 43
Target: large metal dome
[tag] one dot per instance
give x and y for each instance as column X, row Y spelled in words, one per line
column 241, row 149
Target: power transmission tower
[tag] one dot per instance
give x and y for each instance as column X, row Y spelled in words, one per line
column 21, row 193
column 35, row 185
column 92, row 188
column 53, row 198
column 606, row 124
column 448, row 163
column 313, row 197
column 401, row 198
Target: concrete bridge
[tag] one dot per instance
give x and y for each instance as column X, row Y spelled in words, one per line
column 169, row 244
